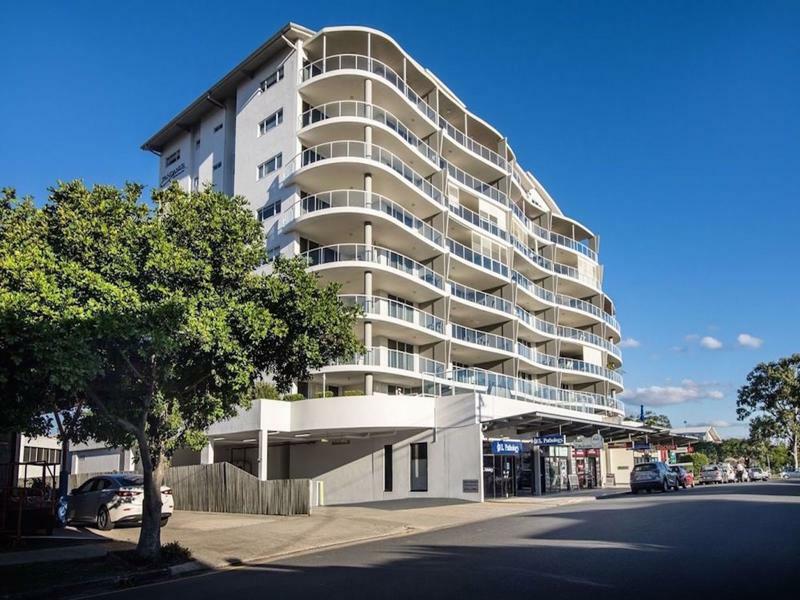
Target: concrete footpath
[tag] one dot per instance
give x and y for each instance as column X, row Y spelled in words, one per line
column 218, row 540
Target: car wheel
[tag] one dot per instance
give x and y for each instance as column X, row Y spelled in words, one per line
column 164, row 521
column 104, row 522
column 649, row 491
column 683, row 485
column 664, row 486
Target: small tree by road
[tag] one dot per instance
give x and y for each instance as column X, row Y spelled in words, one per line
column 771, row 397
column 153, row 318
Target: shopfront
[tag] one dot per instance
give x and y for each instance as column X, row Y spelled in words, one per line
column 507, row 468
column 555, row 461
column 587, row 467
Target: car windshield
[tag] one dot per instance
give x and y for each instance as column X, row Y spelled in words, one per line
column 710, row 468
column 646, row 467
column 675, row 469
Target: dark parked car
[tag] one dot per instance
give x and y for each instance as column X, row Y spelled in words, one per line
column 653, row 476
column 685, row 478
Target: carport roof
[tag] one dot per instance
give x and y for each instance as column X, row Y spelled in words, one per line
column 545, row 423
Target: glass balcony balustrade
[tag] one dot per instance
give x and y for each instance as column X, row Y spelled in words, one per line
column 373, row 254
column 476, row 258
column 385, row 307
column 481, row 338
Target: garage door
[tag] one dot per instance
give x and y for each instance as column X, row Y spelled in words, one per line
column 102, row 461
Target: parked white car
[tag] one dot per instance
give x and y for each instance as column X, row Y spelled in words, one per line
column 758, row 474
column 107, row 500
column 789, row 473
column 710, row 474
column 728, row 473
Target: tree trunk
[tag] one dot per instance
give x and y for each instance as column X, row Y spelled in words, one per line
column 153, row 469
column 794, row 452
column 66, row 467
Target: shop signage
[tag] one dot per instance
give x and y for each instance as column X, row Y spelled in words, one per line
column 506, row 447
column 550, row 440
column 641, row 446
column 470, row 486
column 581, row 453
column 596, row 441
column 619, row 445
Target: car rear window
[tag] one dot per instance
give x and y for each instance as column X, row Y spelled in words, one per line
column 131, row 480
column 646, row 467
column 710, row 468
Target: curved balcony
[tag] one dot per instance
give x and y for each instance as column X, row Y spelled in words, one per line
column 476, row 258
column 359, row 201
column 394, row 311
column 344, row 255
column 354, row 149
column 567, row 364
column 475, row 219
column 476, row 337
column 517, row 388
column 475, row 184
column 567, row 333
column 355, row 109
column 581, row 366
column 569, row 302
column 391, row 360
column 375, row 67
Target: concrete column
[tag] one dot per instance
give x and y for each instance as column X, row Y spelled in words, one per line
column 207, row 454
column 368, row 334
column 368, row 233
column 262, row 454
column 368, row 189
column 368, row 283
column 368, row 128
column 368, row 384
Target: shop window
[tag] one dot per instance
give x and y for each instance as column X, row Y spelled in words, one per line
column 419, row 467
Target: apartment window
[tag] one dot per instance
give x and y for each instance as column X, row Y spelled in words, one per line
column 36, row 454
column 271, row 122
column 265, row 212
column 388, row 477
column 419, row 467
column 173, row 158
column 217, row 165
column 401, row 346
column 270, row 165
column 272, row 79
column 217, row 128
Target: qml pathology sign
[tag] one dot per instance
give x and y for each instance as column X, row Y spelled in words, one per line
column 506, row 447
column 550, row 440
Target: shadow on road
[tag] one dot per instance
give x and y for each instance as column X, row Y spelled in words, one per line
column 699, row 544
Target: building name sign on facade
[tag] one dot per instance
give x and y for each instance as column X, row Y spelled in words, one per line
column 172, row 174
column 506, row 447
column 641, row 446
column 550, row 440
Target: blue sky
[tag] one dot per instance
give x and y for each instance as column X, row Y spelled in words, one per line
column 672, row 129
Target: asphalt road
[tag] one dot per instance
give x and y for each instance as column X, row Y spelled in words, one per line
column 726, row 541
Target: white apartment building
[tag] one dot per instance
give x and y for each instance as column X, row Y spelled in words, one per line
column 485, row 320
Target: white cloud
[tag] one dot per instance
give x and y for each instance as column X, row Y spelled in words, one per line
column 666, row 395
column 630, row 343
column 710, row 343
column 749, row 341
column 714, row 423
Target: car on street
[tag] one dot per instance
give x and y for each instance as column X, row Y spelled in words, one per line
column 685, row 478
column 710, row 474
column 653, row 476
column 790, row 473
column 728, row 473
column 757, row 474
column 108, row 500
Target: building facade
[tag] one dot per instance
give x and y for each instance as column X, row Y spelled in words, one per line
column 484, row 315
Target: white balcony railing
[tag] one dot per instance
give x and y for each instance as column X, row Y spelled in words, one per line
column 363, row 110
column 362, row 150
column 376, row 255
column 361, row 200
column 480, row 298
column 476, row 258
column 381, row 356
column 378, row 306
column 375, row 67
column 481, row 338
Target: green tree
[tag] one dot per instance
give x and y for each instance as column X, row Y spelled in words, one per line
column 157, row 318
column 652, row 419
column 698, row 460
column 772, row 397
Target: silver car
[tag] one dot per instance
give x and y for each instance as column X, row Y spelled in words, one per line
column 110, row 499
column 757, row 474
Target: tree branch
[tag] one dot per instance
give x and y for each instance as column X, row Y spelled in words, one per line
column 126, row 425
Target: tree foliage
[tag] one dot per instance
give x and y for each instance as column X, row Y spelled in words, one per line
column 158, row 317
column 652, row 419
column 771, row 397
